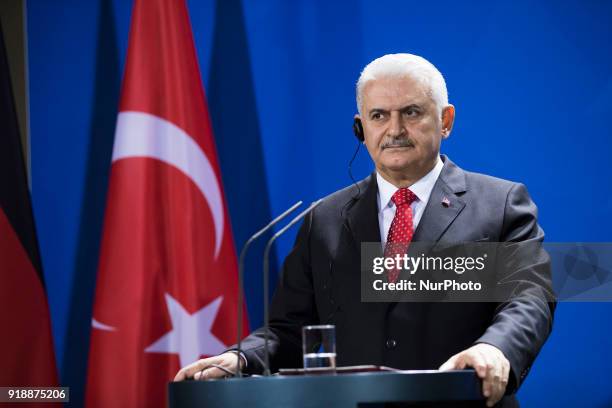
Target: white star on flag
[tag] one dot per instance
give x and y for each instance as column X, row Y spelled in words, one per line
column 191, row 334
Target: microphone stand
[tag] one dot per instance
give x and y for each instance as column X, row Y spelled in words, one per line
column 266, row 278
column 243, row 252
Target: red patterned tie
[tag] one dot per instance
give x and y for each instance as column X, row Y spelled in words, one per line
column 401, row 230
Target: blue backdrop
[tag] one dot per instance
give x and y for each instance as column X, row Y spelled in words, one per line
column 531, row 82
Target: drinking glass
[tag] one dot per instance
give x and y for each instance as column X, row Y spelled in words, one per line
column 319, row 347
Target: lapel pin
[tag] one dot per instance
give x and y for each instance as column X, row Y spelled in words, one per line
column 445, row 202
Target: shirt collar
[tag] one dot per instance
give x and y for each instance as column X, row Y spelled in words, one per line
column 422, row 188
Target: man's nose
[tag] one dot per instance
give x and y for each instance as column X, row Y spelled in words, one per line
column 396, row 126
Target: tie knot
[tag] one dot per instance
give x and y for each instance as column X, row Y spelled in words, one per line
column 403, row 196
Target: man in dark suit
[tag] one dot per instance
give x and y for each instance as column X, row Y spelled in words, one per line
column 415, row 195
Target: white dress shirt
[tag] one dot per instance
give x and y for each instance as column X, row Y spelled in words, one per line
column 422, row 189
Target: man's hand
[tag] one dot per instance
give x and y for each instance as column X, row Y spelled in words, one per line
column 491, row 366
column 203, row 370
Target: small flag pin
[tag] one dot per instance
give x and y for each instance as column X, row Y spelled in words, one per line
column 446, row 202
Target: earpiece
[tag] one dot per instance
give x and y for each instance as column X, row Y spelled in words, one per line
column 358, row 130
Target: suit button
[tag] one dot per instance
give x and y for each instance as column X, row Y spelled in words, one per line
column 390, row 344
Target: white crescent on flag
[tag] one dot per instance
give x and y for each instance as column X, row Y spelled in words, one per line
column 141, row 134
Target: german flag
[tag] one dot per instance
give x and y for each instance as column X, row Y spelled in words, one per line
column 26, row 344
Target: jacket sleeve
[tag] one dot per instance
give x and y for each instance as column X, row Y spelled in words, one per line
column 292, row 307
column 522, row 323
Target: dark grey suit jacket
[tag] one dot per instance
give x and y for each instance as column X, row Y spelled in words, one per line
column 320, row 283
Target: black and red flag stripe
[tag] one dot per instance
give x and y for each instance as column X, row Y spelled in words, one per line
column 26, row 345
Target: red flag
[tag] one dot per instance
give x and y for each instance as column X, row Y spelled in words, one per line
column 167, row 282
column 26, row 345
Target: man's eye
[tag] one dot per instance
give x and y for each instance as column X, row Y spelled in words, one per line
column 377, row 116
column 412, row 112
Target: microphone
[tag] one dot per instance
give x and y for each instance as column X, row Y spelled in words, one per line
column 243, row 252
column 266, row 278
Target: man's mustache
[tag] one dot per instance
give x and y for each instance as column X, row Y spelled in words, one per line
column 404, row 142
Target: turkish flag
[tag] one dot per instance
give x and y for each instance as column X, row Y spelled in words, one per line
column 167, row 283
column 27, row 358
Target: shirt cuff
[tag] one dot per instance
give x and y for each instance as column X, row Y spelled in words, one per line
column 242, row 356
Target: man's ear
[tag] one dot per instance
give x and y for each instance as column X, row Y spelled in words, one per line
column 448, row 118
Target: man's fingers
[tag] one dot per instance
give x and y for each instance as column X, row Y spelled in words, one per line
column 185, row 372
column 491, row 366
column 203, row 370
column 496, row 389
column 500, row 381
column 475, row 360
column 450, row 364
column 483, row 367
column 203, row 365
column 505, row 374
column 180, row 376
column 209, row 373
column 199, row 375
column 190, row 370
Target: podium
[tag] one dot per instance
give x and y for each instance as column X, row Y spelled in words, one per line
column 459, row 388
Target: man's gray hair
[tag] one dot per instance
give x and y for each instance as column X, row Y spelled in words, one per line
column 402, row 65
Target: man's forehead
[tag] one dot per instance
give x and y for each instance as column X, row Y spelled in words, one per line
column 387, row 92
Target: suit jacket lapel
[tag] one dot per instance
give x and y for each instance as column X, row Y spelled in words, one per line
column 443, row 207
column 444, row 203
column 362, row 215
